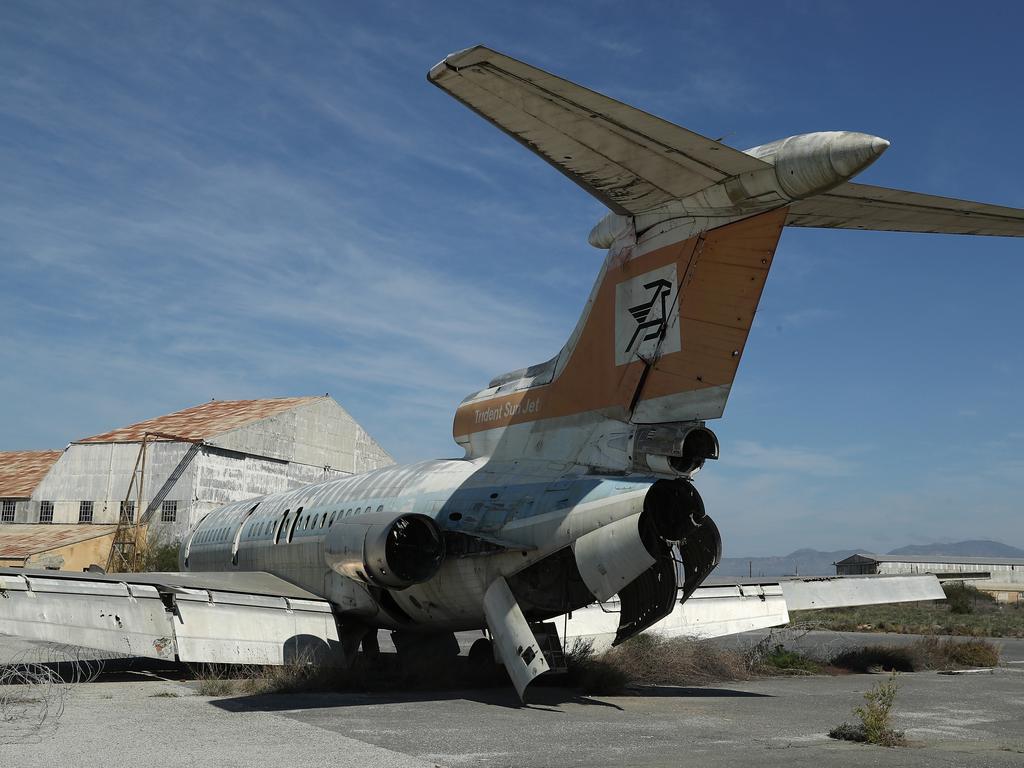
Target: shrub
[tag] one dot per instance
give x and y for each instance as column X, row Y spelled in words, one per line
column 591, row 674
column 875, row 717
column 157, row 557
column 874, row 657
column 785, row 661
column 964, row 598
column 972, row 653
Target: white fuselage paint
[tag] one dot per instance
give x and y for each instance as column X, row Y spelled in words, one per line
column 533, row 508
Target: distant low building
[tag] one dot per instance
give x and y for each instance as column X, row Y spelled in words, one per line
column 194, row 461
column 1002, row 576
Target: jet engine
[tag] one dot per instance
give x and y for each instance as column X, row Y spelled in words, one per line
column 385, row 549
column 673, row 450
column 612, row 556
column 633, row 557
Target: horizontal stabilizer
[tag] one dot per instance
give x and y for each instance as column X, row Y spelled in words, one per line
column 813, row 594
column 628, row 159
column 858, row 206
column 730, row 606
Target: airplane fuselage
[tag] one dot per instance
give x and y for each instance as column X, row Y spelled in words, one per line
column 497, row 519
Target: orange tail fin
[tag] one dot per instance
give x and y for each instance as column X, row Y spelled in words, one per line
column 659, row 341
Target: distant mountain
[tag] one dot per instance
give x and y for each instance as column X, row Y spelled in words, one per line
column 803, row 562
column 813, row 562
column 974, row 548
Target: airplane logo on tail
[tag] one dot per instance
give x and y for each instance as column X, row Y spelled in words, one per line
column 646, row 316
column 642, row 312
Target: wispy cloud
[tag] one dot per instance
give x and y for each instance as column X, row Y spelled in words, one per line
column 774, row 458
column 252, row 199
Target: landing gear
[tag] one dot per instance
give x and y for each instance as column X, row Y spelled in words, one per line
column 425, row 648
column 481, row 652
column 370, row 645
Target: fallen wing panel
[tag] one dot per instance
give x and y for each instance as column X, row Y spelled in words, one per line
column 159, row 619
column 858, row 206
column 229, row 628
column 121, row 618
column 628, row 159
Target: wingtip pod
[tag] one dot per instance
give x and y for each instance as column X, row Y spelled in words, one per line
column 810, row 163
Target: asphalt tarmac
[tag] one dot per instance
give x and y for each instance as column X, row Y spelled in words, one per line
column 137, row 719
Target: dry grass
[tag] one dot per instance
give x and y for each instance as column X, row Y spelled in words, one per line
column 781, row 661
column 677, row 661
column 926, row 653
column 385, row 673
column 642, row 661
column 966, row 612
column 252, row 680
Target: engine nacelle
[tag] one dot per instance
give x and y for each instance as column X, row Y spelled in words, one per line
column 614, row 555
column 673, row 450
column 385, row 549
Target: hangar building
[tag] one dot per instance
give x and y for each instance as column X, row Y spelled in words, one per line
column 20, row 473
column 189, row 463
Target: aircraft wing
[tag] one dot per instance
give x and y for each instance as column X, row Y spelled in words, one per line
column 232, row 618
column 859, row 206
column 628, row 159
column 728, row 607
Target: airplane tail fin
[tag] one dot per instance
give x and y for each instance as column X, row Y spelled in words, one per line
column 659, row 340
column 692, row 232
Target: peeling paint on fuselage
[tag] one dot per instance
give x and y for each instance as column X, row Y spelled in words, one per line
column 530, row 505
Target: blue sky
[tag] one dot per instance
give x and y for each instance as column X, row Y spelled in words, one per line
column 238, row 199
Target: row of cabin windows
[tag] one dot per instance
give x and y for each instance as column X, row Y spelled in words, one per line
column 267, row 528
column 307, row 522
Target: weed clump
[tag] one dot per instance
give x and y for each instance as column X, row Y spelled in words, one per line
column 779, row 660
column 875, row 717
column 924, row 654
column 592, row 674
column 877, row 657
column 383, row 672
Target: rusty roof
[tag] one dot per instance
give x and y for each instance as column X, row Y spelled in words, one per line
column 21, row 471
column 25, row 540
column 202, row 421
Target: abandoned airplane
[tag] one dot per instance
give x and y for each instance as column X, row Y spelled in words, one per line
column 576, row 488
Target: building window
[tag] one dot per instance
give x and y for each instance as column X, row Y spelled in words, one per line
column 8, row 513
column 45, row 511
column 85, row 511
column 169, row 512
column 127, row 511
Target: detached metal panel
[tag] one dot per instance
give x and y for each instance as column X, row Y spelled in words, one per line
column 118, row 617
column 230, row 628
column 162, row 620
